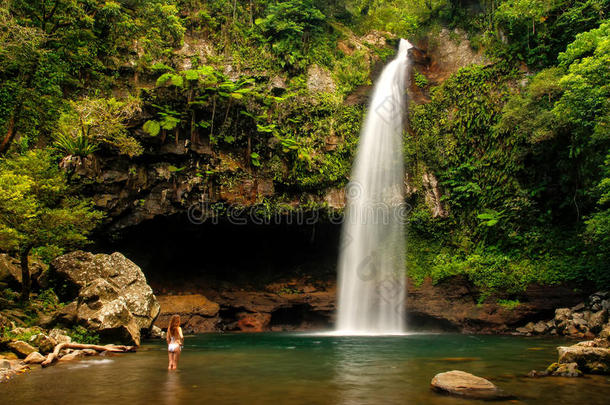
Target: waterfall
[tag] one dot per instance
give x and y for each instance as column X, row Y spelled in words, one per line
column 371, row 262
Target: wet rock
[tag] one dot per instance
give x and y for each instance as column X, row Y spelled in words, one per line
column 564, row 370
column 462, row 384
column 75, row 355
column 8, row 368
column 8, row 356
column 529, row 327
column 591, row 356
column 113, row 297
column 433, row 195
column 34, row 358
column 44, row 343
column 21, row 349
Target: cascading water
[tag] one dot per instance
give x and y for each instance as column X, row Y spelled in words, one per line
column 371, row 263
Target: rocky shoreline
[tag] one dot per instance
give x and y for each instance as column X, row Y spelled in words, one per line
column 301, row 305
column 109, row 296
column 586, row 320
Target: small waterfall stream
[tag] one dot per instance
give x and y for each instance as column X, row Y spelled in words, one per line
column 371, row 263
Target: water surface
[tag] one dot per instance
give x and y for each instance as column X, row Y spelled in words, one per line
column 282, row 368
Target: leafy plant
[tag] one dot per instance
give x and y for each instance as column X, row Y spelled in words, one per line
column 77, row 146
column 81, row 334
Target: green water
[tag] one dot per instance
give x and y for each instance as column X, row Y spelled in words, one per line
column 282, row 368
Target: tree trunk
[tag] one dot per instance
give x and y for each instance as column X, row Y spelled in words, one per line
column 108, row 348
column 8, row 137
column 26, row 282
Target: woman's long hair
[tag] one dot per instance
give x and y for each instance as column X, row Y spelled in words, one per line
column 172, row 329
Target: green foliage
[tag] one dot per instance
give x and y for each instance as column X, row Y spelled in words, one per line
column 82, row 335
column 24, row 337
column 290, row 27
column 92, row 122
column 77, row 146
column 352, row 71
column 37, row 208
column 152, row 128
column 509, row 304
column 536, row 31
column 420, row 80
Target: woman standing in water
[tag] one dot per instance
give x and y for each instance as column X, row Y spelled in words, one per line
column 175, row 340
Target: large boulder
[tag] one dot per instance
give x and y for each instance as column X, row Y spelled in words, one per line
column 462, row 384
column 112, row 295
column 100, row 308
column 591, row 356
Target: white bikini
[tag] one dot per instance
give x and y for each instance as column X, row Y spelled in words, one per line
column 173, row 345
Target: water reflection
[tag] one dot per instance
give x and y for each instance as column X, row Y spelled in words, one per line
column 173, row 388
column 365, row 373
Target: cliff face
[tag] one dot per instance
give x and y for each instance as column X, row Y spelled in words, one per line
column 188, row 168
column 202, row 216
column 299, row 304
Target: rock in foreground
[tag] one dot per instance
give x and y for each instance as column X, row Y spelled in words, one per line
column 592, row 357
column 462, row 384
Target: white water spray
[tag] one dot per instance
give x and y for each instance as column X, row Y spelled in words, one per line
column 371, row 263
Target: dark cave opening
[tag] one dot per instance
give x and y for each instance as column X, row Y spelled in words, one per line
column 297, row 317
column 179, row 256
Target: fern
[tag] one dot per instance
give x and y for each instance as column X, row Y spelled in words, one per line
column 77, row 146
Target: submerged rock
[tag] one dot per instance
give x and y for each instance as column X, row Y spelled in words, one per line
column 112, row 295
column 564, row 370
column 460, row 383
